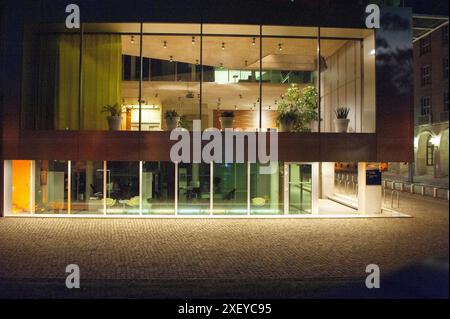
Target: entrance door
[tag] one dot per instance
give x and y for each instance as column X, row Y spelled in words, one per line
column 299, row 188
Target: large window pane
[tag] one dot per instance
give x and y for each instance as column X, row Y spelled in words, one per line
column 122, row 188
column 171, row 77
column 230, row 188
column 111, row 71
column 289, row 67
column 51, row 180
column 231, row 75
column 86, row 191
column 51, row 70
column 347, row 75
column 193, row 189
column 266, row 195
column 158, row 188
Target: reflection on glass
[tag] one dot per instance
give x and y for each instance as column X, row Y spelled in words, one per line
column 122, row 188
column 300, row 181
column 230, row 188
column 51, row 187
column 266, row 196
column 158, row 188
column 86, row 191
column 193, row 189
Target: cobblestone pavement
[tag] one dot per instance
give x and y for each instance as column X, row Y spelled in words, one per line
column 214, row 257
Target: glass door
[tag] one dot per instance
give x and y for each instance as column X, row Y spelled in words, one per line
column 300, row 188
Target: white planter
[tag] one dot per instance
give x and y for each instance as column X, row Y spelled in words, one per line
column 114, row 123
column 341, row 125
column 226, row 122
column 172, row 123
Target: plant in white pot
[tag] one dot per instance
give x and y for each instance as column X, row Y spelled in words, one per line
column 172, row 119
column 341, row 121
column 298, row 109
column 226, row 119
column 115, row 116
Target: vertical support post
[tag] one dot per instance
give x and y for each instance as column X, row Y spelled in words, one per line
column 69, row 186
column 104, row 187
column 211, row 188
column 176, row 188
column 140, row 188
column 369, row 196
column 248, row 188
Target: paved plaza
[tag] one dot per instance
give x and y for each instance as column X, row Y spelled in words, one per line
column 176, row 258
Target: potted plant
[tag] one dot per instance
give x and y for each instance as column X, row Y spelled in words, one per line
column 226, row 119
column 287, row 120
column 298, row 109
column 115, row 117
column 341, row 121
column 172, row 119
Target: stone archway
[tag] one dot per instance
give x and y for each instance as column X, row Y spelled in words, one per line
column 421, row 154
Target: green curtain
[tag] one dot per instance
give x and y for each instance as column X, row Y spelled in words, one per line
column 102, row 77
column 68, row 82
column 54, row 104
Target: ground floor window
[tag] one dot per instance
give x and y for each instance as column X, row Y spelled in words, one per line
column 158, row 188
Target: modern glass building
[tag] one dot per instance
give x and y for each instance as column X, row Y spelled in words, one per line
column 62, row 156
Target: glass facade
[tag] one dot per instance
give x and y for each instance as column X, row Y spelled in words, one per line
column 123, row 188
column 157, row 76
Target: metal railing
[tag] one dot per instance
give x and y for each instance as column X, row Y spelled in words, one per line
column 417, row 189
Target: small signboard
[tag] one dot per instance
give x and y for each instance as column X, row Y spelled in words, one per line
column 373, row 177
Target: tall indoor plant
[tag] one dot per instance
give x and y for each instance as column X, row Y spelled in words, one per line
column 298, row 109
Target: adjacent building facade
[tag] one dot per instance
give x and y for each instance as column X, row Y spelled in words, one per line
column 62, row 155
column 431, row 103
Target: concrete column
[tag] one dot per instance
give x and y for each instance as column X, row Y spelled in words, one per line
column 7, row 188
column 369, row 196
column 327, row 179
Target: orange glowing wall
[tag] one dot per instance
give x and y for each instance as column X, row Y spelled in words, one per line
column 21, row 186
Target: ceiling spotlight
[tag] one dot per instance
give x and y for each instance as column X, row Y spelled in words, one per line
column 254, row 41
column 132, row 39
column 171, row 58
column 240, row 96
column 235, row 107
column 193, row 40
column 221, row 65
column 246, row 63
column 270, row 107
column 165, row 45
column 156, row 94
column 223, row 45
column 196, row 62
column 280, row 48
